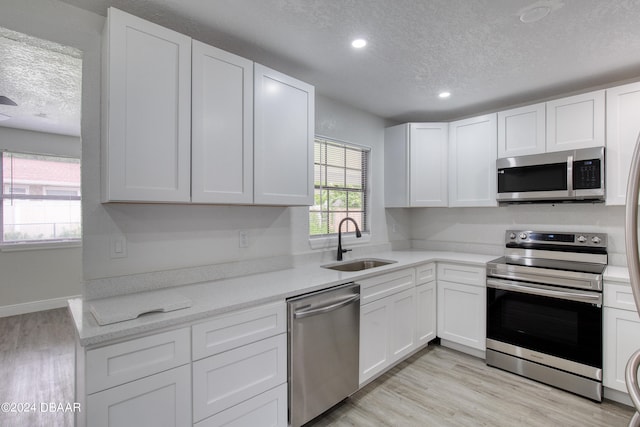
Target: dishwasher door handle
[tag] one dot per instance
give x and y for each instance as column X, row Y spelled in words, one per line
column 326, row 308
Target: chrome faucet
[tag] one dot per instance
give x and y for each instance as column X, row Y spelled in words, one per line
column 358, row 235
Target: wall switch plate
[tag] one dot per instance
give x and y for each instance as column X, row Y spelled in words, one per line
column 118, row 247
column 243, row 239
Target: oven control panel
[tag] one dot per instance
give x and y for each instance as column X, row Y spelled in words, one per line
column 576, row 239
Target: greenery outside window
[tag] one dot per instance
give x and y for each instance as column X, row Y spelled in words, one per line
column 341, row 187
column 40, row 197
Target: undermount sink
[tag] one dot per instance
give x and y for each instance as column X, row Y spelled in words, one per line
column 358, row 264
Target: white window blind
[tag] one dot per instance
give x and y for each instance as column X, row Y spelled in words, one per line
column 341, row 187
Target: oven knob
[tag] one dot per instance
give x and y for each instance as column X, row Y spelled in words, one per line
column 523, row 236
column 582, row 239
column 596, row 240
column 512, row 236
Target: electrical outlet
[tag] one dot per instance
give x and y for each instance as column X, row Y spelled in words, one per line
column 243, row 239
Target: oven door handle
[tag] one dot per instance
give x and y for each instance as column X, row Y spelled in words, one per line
column 529, row 288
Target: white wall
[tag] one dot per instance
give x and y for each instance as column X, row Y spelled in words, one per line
column 341, row 122
column 482, row 230
column 41, row 279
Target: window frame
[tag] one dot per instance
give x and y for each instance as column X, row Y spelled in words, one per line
column 23, row 245
column 327, row 240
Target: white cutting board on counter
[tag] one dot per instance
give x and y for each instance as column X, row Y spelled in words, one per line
column 127, row 307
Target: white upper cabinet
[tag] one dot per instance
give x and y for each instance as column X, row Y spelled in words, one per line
column 472, row 161
column 623, row 127
column 521, row 131
column 222, row 127
column 576, row 122
column 416, row 164
column 147, row 111
column 284, row 120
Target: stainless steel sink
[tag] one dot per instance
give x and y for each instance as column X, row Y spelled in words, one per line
column 358, row 264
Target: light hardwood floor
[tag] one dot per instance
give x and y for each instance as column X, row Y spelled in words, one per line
column 436, row 387
column 37, row 366
column 442, row 387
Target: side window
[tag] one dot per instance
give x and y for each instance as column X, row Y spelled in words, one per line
column 40, row 198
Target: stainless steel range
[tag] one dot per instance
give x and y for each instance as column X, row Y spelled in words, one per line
column 544, row 309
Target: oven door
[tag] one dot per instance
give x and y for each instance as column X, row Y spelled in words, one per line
column 538, row 320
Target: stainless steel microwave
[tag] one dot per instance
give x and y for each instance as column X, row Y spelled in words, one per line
column 563, row 176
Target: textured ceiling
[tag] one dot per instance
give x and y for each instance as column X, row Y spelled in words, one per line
column 479, row 50
column 44, row 79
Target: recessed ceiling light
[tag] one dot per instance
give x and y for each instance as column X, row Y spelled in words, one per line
column 535, row 14
column 359, row 43
column 538, row 10
column 444, row 95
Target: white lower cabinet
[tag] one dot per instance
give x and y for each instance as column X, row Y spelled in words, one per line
column 160, row 400
column 228, row 370
column 232, row 377
column 268, row 409
column 426, row 303
column 462, row 305
column 386, row 333
column 621, row 334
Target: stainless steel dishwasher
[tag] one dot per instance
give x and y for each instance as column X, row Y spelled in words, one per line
column 324, row 346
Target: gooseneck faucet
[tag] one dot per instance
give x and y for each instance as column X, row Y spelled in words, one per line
column 358, row 235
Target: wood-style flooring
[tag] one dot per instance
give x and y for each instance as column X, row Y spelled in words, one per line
column 436, row 387
column 37, row 366
column 442, row 387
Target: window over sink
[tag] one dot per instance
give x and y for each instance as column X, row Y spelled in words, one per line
column 340, row 187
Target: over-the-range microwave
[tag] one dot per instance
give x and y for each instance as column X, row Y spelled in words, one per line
column 563, row 176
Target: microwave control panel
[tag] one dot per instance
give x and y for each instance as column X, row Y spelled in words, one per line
column 587, row 174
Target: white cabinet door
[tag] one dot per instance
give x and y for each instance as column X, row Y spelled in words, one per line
column 621, row 330
column 576, row 122
column 521, row 131
column 161, row 400
column 428, row 164
column 462, row 314
column 283, row 139
column 387, row 332
column 222, row 127
column 232, row 377
column 375, row 324
column 623, row 127
column 426, row 312
column 472, row 161
column 403, row 324
column 415, row 162
column 146, row 138
column 268, row 409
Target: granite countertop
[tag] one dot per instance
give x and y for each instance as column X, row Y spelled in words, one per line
column 221, row 296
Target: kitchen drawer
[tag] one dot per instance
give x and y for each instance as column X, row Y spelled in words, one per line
column 457, row 273
column 425, row 273
column 374, row 288
column 266, row 409
column 229, row 378
column 239, row 328
column 619, row 296
column 117, row 364
column 160, row 400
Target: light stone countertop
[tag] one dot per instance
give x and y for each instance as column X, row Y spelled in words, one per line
column 221, row 296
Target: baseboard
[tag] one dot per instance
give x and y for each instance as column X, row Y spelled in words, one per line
column 617, row 396
column 463, row 349
column 30, row 307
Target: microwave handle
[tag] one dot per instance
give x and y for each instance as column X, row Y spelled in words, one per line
column 570, row 176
